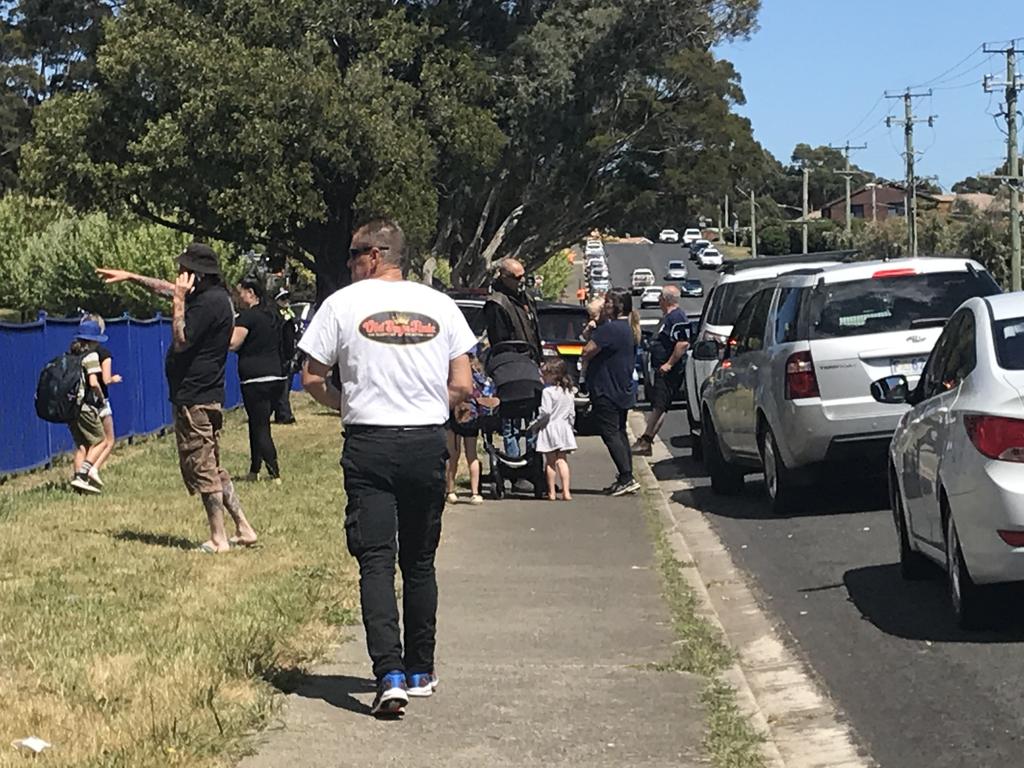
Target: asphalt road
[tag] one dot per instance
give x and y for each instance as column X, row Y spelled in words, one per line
column 918, row 692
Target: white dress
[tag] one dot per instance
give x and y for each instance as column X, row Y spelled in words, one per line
column 557, row 435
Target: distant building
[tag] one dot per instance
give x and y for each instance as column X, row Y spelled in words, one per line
column 874, row 202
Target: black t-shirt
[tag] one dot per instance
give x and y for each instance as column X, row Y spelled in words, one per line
column 260, row 353
column 610, row 372
column 104, row 354
column 195, row 375
column 673, row 329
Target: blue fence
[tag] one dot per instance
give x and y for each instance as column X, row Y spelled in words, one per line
column 140, row 402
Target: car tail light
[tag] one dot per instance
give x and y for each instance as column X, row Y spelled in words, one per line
column 1013, row 538
column 801, row 380
column 997, row 437
column 549, row 350
column 905, row 272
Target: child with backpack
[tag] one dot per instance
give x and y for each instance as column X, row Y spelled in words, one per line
column 464, row 429
column 87, row 426
column 556, row 440
column 107, row 378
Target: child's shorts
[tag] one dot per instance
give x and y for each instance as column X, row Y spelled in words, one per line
column 87, row 428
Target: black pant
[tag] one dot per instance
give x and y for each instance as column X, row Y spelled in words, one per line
column 283, row 402
column 258, row 399
column 395, row 482
column 611, row 424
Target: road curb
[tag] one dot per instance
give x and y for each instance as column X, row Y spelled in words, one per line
column 802, row 725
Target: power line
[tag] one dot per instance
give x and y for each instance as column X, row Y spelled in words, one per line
column 964, row 60
column 864, row 119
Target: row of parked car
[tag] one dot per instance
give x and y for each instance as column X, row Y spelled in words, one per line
column 913, row 367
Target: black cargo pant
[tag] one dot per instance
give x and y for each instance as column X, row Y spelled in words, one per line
column 395, row 482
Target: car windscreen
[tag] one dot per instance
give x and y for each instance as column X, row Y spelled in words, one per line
column 1009, row 336
column 675, row 265
column 474, row 314
column 729, row 300
column 892, row 303
column 561, row 324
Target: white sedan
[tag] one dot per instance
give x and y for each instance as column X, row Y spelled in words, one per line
column 709, row 257
column 651, row 297
column 593, row 248
column 676, row 271
column 668, row 236
column 956, row 461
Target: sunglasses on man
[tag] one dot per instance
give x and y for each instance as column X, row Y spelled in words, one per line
column 355, row 253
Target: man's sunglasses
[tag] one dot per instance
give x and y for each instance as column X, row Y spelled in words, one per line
column 514, row 277
column 355, row 253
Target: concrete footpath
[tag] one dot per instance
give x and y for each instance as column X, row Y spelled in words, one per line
column 551, row 615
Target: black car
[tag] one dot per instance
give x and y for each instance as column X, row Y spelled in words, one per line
column 691, row 289
column 560, row 329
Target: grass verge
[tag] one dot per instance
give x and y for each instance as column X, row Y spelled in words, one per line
column 730, row 739
column 122, row 646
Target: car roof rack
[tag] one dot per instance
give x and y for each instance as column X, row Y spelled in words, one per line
column 732, row 267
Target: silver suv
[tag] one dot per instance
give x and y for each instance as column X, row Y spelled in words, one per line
column 792, row 389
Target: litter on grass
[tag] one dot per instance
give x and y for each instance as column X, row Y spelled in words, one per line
column 32, row 744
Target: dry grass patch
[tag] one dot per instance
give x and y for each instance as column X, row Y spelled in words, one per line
column 123, row 646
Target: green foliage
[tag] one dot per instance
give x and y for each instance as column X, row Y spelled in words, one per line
column 555, row 273
column 50, row 255
column 772, row 240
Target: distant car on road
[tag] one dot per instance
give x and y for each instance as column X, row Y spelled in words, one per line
column 668, row 236
column 599, row 273
column 691, row 288
column 792, row 391
column 640, row 279
column 697, row 246
column 956, row 461
column 709, row 258
column 599, row 287
column 650, row 297
column 594, row 262
column 593, row 248
column 690, row 235
column 676, row 271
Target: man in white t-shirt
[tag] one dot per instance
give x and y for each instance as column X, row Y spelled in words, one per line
column 401, row 351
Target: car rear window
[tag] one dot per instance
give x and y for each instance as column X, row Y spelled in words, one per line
column 474, row 315
column 1009, row 336
column 561, row 325
column 897, row 303
column 729, row 300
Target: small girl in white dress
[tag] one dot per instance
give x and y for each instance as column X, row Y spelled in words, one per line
column 556, row 440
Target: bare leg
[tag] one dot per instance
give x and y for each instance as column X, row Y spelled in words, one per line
column 562, row 465
column 469, row 445
column 93, row 452
column 454, row 447
column 108, row 442
column 244, row 533
column 79, row 458
column 654, row 422
column 551, row 473
column 214, row 504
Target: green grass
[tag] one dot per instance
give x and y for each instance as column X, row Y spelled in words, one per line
column 730, row 739
column 733, row 252
column 124, row 647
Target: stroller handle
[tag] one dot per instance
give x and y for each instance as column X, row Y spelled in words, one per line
column 515, row 345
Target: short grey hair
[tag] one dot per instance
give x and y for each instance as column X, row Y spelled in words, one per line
column 670, row 295
column 505, row 263
column 387, row 235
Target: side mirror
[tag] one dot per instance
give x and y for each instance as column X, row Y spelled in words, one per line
column 892, row 390
column 706, row 350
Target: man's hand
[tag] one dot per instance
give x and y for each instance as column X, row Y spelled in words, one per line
column 114, row 275
column 665, row 368
column 183, row 285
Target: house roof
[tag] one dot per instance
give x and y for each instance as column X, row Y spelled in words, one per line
column 864, row 188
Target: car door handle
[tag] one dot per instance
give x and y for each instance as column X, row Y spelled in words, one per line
column 754, row 367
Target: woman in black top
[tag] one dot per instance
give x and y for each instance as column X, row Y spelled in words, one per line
column 257, row 339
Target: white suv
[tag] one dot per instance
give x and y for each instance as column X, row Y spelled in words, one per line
column 793, row 389
column 739, row 281
column 691, row 235
column 640, row 279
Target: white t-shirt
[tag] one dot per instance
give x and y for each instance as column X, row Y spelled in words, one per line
column 393, row 342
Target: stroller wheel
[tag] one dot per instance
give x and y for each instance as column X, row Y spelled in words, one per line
column 538, row 492
column 498, row 489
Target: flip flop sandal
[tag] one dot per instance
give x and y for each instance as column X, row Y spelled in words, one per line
column 208, row 549
column 236, row 543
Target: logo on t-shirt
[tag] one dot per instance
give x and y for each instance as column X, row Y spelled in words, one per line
column 399, row 328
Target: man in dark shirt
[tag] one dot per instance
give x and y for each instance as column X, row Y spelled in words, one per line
column 201, row 325
column 667, row 351
column 510, row 311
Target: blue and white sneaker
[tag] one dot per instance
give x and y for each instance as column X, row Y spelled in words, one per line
column 391, row 698
column 422, row 684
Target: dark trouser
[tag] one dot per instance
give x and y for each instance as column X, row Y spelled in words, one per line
column 395, row 482
column 258, row 399
column 611, row 424
column 283, row 402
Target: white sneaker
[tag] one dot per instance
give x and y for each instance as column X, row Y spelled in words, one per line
column 453, row 498
column 476, row 499
column 94, row 476
column 81, row 483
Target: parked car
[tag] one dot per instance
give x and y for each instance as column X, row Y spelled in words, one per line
column 792, row 390
column 739, row 281
column 690, row 235
column 599, row 287
column 640, row 279
column 594, row 262
column 676, row 271
column 691, row 288
column 956, row 461
column 593, row 248
column 650, row 297
column 471, row 302
column 599, row 273
column 560, row 328
column 697, row 246
column 668, row 236
column 709, row 258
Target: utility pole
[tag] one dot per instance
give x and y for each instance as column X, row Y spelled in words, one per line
column 807, row 175
column 846, row 150
column 908, row 123
column 724, row 238
column 1013, row 85
column 753, row 226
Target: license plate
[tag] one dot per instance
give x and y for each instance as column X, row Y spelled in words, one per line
column 908, row 366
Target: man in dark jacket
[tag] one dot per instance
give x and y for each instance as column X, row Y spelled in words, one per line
column 510, row 311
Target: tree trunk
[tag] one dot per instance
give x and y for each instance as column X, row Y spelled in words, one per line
column 328, row 245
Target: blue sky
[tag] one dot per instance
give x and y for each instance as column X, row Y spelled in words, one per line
column 816, row 69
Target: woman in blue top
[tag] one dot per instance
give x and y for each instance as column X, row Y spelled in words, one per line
column 610, row 356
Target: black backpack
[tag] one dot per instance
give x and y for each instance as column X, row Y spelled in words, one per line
column 59, row 389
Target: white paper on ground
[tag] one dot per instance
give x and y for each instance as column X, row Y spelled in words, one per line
column 32, row 743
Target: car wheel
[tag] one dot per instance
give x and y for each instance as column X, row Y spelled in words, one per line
column 726, row 479
column 964, row 595
column 913, row 565
column 778, row 480
column 696, row 442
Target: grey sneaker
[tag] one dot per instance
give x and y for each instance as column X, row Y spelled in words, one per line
column 643, row 446
column 621, row 489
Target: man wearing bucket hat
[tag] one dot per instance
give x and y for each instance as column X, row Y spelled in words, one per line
column 202, row 321
column 87, row 427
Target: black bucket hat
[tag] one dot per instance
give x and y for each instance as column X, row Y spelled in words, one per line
column 201, row 258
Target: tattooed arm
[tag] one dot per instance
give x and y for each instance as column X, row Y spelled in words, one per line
column 152, row 284
column 182, row 287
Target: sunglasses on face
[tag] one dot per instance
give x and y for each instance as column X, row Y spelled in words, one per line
column 355, row 253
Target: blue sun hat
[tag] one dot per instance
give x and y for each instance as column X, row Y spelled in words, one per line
column 89, row 330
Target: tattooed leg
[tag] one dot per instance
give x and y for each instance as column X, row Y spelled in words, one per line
column 244, row 533
column 214, row 504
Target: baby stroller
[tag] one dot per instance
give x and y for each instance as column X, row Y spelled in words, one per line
column 518, row 387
